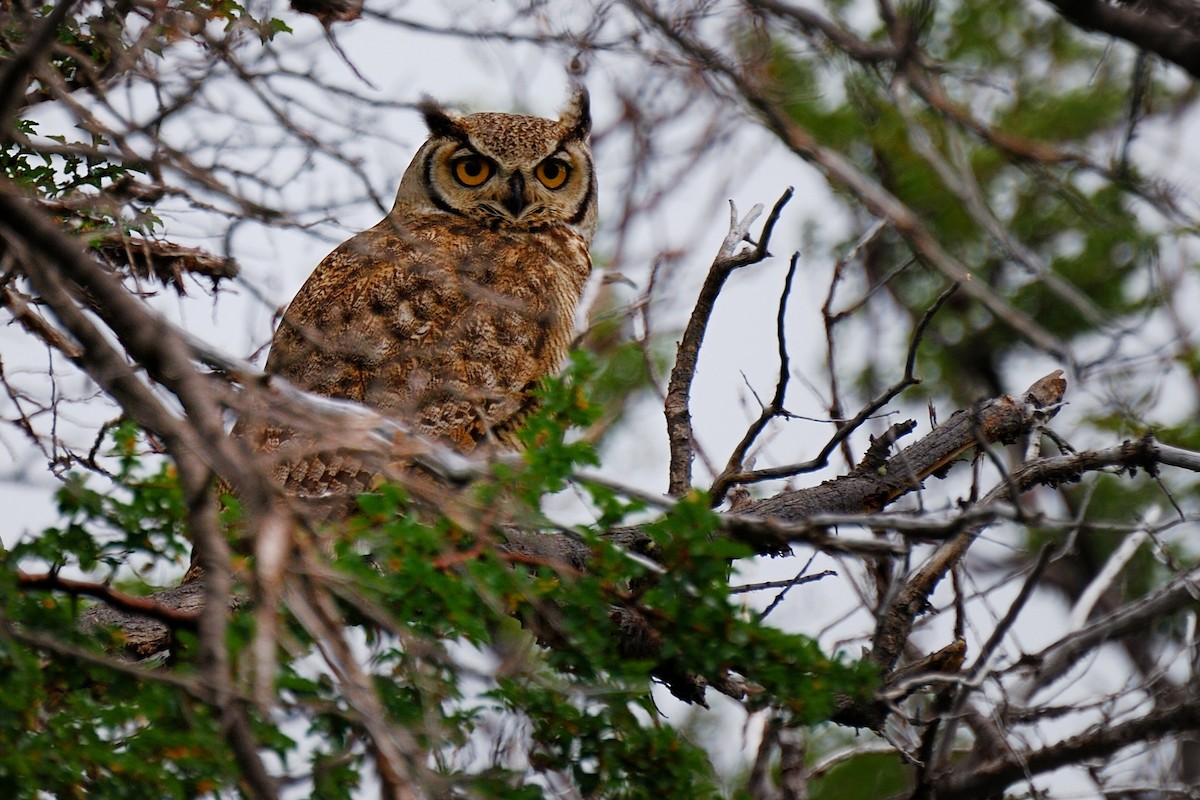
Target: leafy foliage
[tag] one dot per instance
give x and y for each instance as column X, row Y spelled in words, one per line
column 434, row 600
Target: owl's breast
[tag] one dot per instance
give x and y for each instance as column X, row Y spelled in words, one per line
column 444, row 325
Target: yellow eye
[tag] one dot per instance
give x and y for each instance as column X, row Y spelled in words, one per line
column 552, row 173
column 472, row 170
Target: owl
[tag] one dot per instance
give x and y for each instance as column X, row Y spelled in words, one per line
column 447, row 313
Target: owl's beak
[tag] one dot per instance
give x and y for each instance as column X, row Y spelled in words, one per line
column 515, row 202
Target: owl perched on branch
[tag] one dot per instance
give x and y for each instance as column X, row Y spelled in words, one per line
column 447, row 313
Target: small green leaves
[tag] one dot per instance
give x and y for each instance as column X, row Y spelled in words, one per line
column 142, row 511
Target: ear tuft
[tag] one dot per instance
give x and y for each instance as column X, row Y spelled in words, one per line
column 577, row 116
column 440, row 121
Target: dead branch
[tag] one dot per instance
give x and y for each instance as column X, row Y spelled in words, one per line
column 164, row 261
column 732, row 256
column 1002, row 420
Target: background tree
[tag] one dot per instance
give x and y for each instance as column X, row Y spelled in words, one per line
column 998, row 195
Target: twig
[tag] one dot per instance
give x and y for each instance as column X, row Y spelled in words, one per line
column 846, row 427
column 677, row 406
column 734, row 465
column 52, row 260
column 796, row 581
column 165, row 261
column 809, row 22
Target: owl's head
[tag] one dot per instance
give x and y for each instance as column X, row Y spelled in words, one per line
column 505, row 170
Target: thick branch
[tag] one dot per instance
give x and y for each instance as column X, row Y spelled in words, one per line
column 133, row 606
column 1000, row 420
column 1148, row 27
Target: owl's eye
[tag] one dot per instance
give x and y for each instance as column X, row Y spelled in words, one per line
column 472, row 170
column 552, row 173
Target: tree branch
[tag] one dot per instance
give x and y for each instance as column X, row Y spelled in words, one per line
column 677, row 406
column 1148, row 27
column 966, row 782
column 172, row 616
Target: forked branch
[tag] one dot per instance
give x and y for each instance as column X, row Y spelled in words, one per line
column 732, row 256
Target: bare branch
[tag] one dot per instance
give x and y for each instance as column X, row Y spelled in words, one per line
column 847, row 427
column 677, row 406
column 735, row 464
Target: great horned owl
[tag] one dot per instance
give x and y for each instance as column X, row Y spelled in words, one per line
column 449, row 311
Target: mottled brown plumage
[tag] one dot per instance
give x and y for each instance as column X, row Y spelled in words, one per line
column 449, row 311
